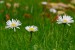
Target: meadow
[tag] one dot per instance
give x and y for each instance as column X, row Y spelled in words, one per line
column 50, row 35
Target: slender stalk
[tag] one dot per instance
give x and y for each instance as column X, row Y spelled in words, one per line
column 32, row 9
column 63, row 35
column 31, row 36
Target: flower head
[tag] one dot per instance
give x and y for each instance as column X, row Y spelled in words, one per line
column 13, row 24
column 65, row 19
column 44, row 3
column 53, row 10
column 31, row 28
column 1, row 1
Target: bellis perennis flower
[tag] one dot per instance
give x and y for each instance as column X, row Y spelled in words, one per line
column 13, row 24
column 31, row 28
column 44, row 3
column 65, row 20
column 53, row 10
column 1, row 1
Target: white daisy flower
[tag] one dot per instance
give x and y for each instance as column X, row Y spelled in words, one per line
column 65, row 19
column 53, row 10
column 44, row 3
column 1, row 2
column 31, row 28
column 13, row 24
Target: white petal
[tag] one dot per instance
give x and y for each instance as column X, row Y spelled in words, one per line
column 1, row 2
column 14, row 30
column 53, row 10
column 6, row 26
column 44, row 3
column 18, row 27
column 8, row 22
column 68, row 24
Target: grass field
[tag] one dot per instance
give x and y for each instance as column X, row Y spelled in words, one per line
column 50, row 35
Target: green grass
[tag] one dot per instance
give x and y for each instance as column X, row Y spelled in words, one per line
column 50, row 36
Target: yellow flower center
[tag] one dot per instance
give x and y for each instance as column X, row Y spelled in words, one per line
column 65, row 21
column 31, row 29
column 13, row 24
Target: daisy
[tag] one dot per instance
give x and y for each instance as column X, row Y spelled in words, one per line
column 44, row 3
column 1, row 2
column 13, row 24
column 31, row 28
column 53, row 10
column 65, row 20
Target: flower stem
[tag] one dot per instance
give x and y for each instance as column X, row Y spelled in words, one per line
column 31, row 36
column 63, row 36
